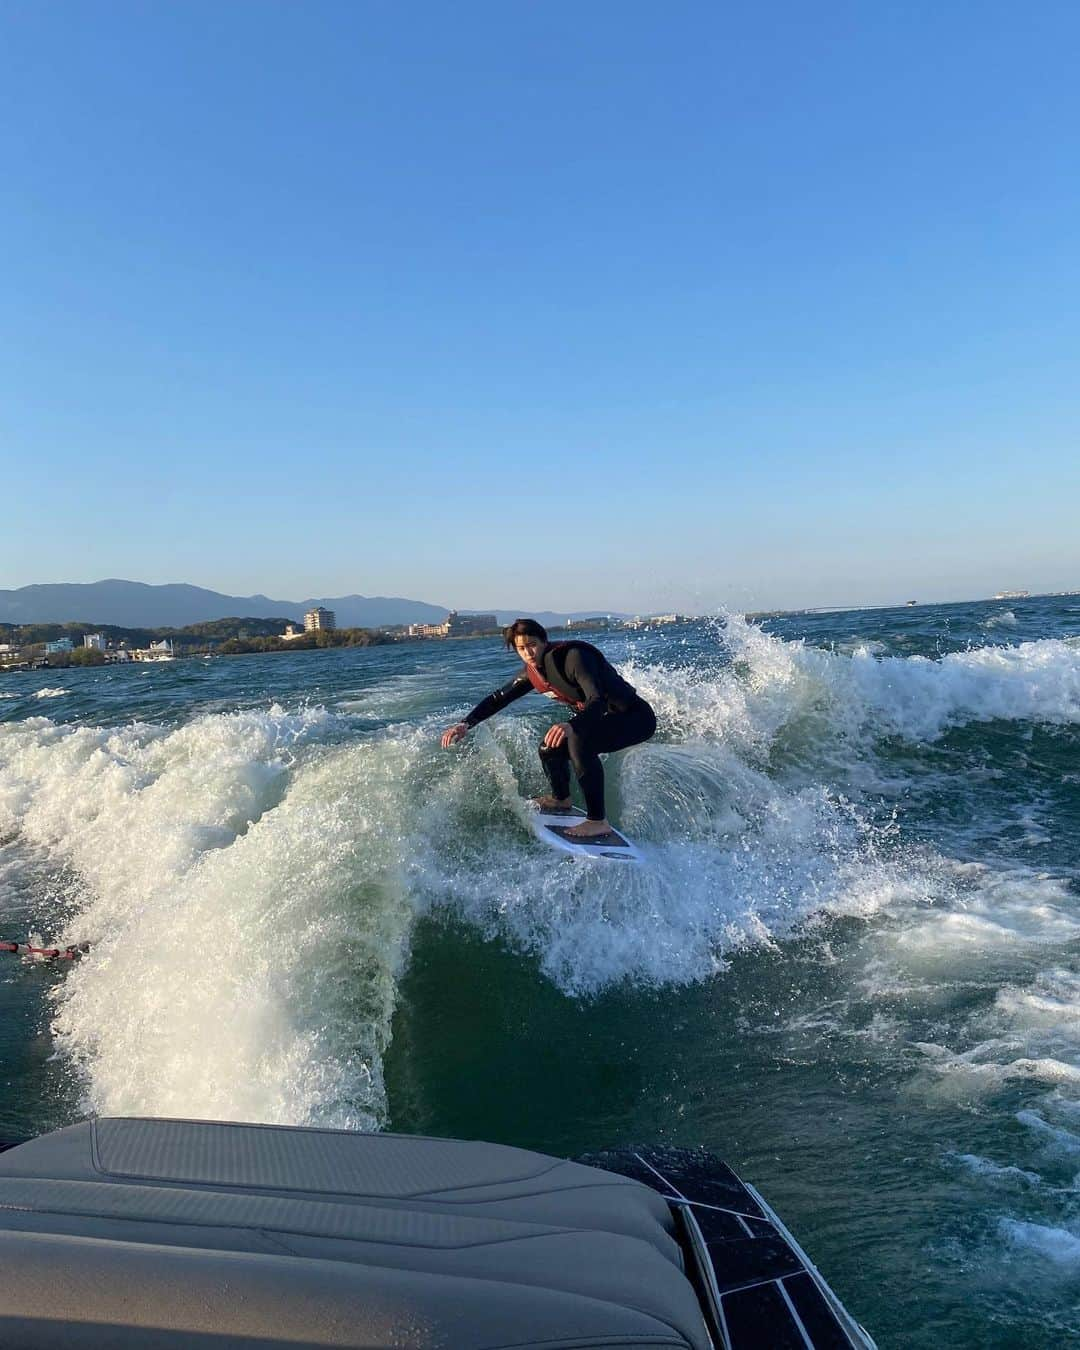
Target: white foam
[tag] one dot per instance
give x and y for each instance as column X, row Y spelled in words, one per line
column 914, row 697
column 1058, row 1245
column 1044, row 1068
column 1051, row 1002
column 50, row 693
column 987, row 1065
column 988, row 910
column 1048, row 1134
column 1034, row 1037
column 735, row 860
column 1043, row 1020
column 410, row 694
column 864, row 646
column 987, row 1170
column 241, row 889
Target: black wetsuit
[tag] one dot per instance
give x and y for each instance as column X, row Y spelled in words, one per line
column 614, row 716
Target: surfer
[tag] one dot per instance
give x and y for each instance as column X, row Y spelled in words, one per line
column 609, row 715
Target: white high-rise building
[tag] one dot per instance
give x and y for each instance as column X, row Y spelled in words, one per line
column 318, row 618
column 95, row 641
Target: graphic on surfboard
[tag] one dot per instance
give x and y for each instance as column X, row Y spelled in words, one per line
column 551, row 827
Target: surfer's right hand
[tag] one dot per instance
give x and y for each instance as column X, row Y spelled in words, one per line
column 457, row 732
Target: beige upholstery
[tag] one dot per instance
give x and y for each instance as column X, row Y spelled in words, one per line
column 177, row 1233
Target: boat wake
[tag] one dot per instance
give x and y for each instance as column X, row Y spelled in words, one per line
column 250, row 879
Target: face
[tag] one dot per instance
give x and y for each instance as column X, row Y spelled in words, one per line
column 530, row 649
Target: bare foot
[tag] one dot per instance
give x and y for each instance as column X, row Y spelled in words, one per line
column 588, row 829
column 552, row 803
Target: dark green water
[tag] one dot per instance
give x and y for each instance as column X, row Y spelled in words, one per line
column 850, row 966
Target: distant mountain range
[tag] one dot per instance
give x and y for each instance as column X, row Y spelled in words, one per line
column 133, row 604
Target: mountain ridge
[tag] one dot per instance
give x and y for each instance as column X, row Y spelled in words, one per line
column 140, row 604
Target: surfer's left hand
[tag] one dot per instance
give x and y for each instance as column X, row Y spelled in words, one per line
column 556, row 735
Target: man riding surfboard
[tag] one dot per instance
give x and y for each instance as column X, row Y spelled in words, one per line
column 609, row 715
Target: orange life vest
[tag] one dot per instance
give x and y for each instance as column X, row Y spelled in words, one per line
column 548, row 690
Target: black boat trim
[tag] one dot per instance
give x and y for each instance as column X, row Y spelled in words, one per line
column 660, row 1176
column 788, row 1279
column 705, row 1280
column 714, row 1304
column 794, row 1314
column 854, row 1329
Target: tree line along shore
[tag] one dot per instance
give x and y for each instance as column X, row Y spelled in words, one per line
column 26, row 643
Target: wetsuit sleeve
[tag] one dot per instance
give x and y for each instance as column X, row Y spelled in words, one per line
column 585, row 671
column 510, row 691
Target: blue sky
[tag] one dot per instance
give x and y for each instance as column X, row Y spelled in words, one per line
column 551, row 305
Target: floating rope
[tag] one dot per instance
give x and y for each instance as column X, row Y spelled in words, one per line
column 45, row 953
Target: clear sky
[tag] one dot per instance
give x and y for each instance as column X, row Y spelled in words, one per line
column 548, row 304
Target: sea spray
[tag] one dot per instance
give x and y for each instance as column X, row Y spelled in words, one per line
column 913, row 697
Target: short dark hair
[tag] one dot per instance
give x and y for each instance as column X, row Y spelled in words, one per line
column 523, row 628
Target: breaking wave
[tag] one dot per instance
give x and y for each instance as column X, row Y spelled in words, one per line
column 250, row 879
column 912, row 697
column 233, row 875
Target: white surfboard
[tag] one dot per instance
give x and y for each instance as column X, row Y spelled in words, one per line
column 551, row 827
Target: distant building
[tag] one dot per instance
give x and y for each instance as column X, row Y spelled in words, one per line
column 462, row 625
column 600, row 622
column 291, row 632
column 455, row 625
column 653, row 620
column 319, row 618
column 60, row 645
column 95, row 641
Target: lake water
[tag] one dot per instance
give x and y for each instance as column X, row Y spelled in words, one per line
column 850, row 966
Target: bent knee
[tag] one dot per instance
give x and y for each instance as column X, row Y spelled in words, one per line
column 579, row 750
